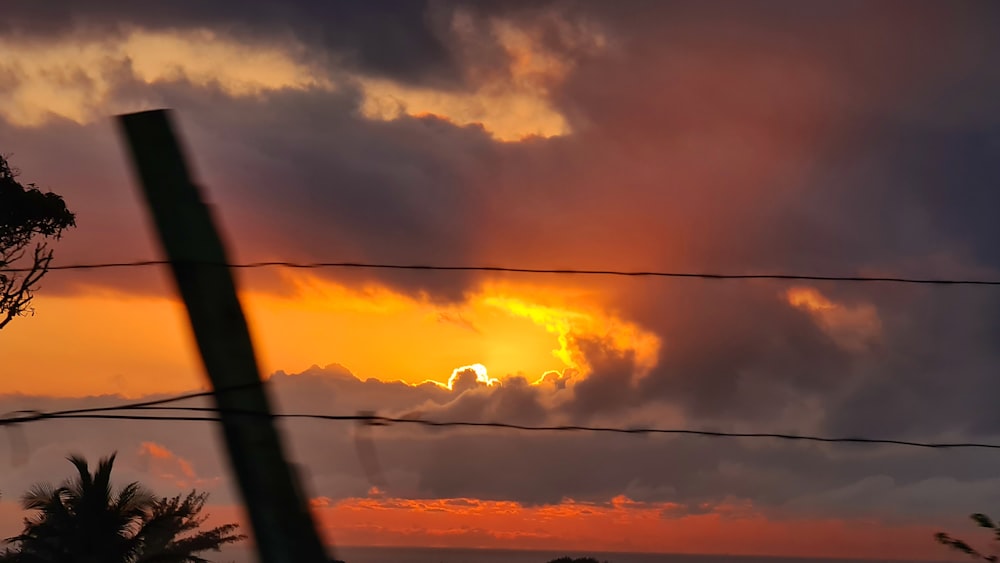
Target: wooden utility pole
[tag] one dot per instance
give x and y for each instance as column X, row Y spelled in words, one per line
column 282, row 525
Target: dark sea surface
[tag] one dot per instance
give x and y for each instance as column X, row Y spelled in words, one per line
column 445, row 555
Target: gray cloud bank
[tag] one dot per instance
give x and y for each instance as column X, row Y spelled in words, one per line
column 781, row 479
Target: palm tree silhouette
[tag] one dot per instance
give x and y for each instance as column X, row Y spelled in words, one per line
column 85, row 520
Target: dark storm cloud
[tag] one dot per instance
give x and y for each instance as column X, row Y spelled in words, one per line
column 422, row 190
column 900, row 183
column 937, row 368
column 547, row 467
column 401, row 191
column 356, row 190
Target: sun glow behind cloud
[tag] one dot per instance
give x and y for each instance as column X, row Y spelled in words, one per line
column 478, row 373
column 570, row 325
column 375, row 332
column 508, row 328
column 380, row 333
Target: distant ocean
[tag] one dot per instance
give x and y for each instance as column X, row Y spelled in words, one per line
column 444, row 555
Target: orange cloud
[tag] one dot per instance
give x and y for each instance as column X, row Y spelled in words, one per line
column 511, row 104
column 155, row 450
column 853, row 328
column 76, row 78
column 165, row 464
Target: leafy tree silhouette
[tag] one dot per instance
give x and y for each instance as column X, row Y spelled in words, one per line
column 27, row 214
column 85, row 521
column 983, row 521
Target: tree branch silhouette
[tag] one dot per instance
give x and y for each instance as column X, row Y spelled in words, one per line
column 29, row 219
column 983, row 521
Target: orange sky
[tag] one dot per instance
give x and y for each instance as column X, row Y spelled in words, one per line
column 620, row 526
column 575, row 527
column 113, row 342
column 105, row 347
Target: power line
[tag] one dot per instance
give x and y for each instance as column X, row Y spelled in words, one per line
column 519, row 270
column 153, row 403
column 108, row 413
column 385, row 420
column 29, row 415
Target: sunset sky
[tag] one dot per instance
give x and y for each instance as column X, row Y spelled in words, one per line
column 827, row 138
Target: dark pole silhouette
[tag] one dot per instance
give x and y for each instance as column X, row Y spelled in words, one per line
column 283, row 527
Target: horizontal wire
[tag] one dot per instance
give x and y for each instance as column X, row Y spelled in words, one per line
column 519, row 270
column 34, row 415
column 106, row 413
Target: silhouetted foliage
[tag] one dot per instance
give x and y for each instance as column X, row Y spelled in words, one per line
column 578, row 560
column 983, row 521
column 85, row 521
column 27, row 214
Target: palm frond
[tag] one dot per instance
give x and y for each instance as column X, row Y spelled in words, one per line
column 84, row 516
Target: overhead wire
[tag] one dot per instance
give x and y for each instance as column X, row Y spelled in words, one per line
column 109, row 412
column 115, row 412
column 525, row 270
